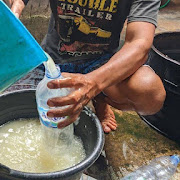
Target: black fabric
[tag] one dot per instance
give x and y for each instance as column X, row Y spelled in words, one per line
column 25, row 1
column 91, row 28
column 53, row 5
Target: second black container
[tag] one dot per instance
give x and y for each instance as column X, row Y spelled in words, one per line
column 164, row 58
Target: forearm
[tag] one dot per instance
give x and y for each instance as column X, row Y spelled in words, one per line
column 123, row 64
column 139, row 38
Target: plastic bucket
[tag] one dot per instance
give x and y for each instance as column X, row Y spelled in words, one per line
column 22, row 104
column 164, row 58
column 19, row 51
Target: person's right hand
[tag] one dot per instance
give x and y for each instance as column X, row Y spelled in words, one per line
column 17, row 6
column 84, row 89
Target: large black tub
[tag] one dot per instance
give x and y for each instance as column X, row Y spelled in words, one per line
column 21, row 104
column 165, row 60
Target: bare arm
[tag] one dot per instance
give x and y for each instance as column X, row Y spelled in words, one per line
column 129, row 58
column 125, row 62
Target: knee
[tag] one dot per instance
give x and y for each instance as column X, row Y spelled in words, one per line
column 150, row 92
column 155, row 97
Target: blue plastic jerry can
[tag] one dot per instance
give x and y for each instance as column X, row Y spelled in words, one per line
column 19, row 51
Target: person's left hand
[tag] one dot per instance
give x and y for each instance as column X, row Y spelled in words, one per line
column 85, row 88
column 16, row 7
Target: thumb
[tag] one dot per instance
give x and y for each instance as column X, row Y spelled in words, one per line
column 17, row 7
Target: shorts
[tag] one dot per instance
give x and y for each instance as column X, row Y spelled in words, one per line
column 83, row 66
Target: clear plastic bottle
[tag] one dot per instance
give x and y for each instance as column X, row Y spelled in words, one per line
column 52, row 134
column 161, row 168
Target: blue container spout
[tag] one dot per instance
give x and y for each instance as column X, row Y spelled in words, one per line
column 19, row 51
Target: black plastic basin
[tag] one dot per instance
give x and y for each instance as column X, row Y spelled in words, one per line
column 22, row 104
column 165, row 60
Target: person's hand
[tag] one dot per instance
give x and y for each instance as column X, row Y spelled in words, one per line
column 16, row 7
column 84, row 90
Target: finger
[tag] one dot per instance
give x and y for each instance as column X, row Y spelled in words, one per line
column 61, row 83
column 67, row 82
column 73, row 98
column 68, row 121
column 17, row 8
column 66, row 111
column 77, row 109
column 60, row 112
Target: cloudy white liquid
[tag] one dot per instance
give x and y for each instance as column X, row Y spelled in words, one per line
column 23, row 147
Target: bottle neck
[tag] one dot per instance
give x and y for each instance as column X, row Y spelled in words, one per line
column 54, row 74
column 175, row 159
